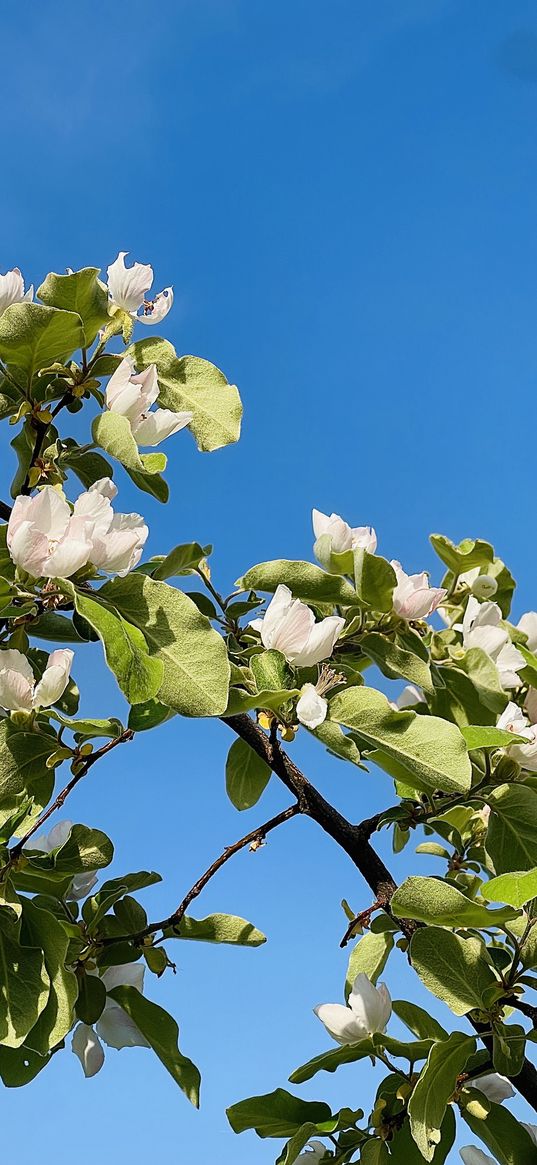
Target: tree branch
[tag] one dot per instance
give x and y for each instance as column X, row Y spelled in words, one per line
column 255, row 837
column 354, row 839
column 16, row 850
column 41, row 430
column 5, row 511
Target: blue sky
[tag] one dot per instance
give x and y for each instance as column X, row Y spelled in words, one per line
column 343, row 196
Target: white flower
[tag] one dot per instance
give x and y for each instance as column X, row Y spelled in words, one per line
column 368, row 1011
column 343, row 537
column 115, row 1027
column 471, row 1155
column 513, row 719
column 408, row 698
column 413, row 598
column 19, row 691
column 12, row 290
column 127, row 287
column 493, row 1086
column 289, row 626
column 116, row 540
column 481, row 628
column 532, row 1130
column 315, row 1152
column 132, row 393
column 44, row 538
column 81, row 884
column 528, row 624
column 311, row 708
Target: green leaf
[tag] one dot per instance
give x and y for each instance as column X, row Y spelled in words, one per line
column 508, row 1048
column 374, row 579
column 81, row 292
column 431, row 751
column 511, row 839
column 465, row 556
column 396, row 662
column 91, row 998
column 501, row 1132
column 436, row 1085
column 88, row 466
column 374, row 1152
column 369, row 955
column 148, row 715
column 194, row 657
column 452, row 968
column 331, row 1060
column 162, row 1032
column 403, row 1148
column 530, row 671
column 23, row 770
column 25, row 984
column 246, row 775
column 126, row 651
column 337, row 742
column 271, row 671
column 182, row 559
column 113, row 433
column 276, row 1114
column 189, row 384
column 84, row 850
column 240, row 701
column 218, row 928
column 137, row 881
column 33, row 337
column 483, row 673
column 306, row 581
column 57, row 628
column 18, row 1066
column 517, row 887
column 296, row 1144
column 89, row 729
column 434, row 901
column 418, row 1021
column 481, row 736
column 42, row 930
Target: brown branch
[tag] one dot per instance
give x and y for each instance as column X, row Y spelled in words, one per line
column 354, row 839
column 255, row 837
column 16, row 851
column 41, row 430
column 5, row 511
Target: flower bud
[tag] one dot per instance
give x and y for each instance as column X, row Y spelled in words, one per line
column 484, row 586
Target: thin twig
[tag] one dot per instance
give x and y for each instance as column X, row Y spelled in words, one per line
column 5, row 511
column 16, row 850
column 255, row 837
column 41, row 430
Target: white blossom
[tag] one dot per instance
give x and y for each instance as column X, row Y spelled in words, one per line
column 413, row 597
column 289, row 626
column 342, row 536
column 408, row 698
column 46, row 539
column 19, row 691
column 513, row 720
column 528, row 624
column 481, row 628
column 12, row 290
column 128, row 287
column 471, row 1155
column 311, row 708
column 314, row 1153
column 368, row 1011
column 493, row 1086
column 114, row 1026
column 132, row 393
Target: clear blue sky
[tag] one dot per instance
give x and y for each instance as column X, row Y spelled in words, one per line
column 343, row 195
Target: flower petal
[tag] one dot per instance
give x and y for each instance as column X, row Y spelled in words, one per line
column 156, row 426
column 311, row 708
column 87, row 1046
column 128, row 285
